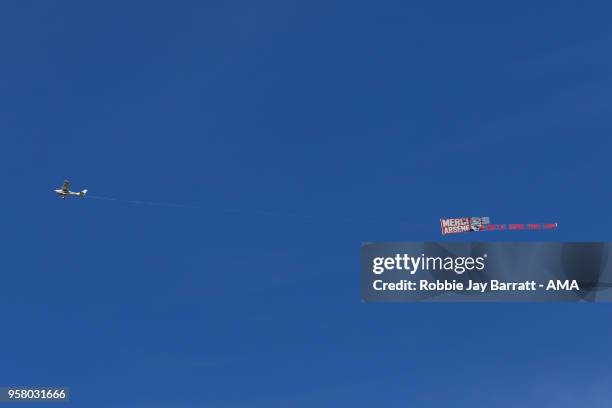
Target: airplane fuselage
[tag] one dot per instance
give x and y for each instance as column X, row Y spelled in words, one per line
column 63, row 194
column 65, row 191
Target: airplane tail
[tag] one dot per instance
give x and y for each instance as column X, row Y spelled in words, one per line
column 82, row 193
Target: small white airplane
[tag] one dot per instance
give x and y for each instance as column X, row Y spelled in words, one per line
column 65, row 191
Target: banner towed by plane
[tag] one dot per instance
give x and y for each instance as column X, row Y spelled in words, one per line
column 476, row 224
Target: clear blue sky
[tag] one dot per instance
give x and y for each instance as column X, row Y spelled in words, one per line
column 373, row 118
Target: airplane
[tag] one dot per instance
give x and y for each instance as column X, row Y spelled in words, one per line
column 65, row 191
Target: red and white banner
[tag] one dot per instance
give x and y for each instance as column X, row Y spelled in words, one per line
column 474, row 224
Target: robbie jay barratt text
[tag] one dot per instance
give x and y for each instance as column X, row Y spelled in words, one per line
column 474, row 286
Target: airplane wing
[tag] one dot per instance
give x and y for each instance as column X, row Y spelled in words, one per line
column 66, row 186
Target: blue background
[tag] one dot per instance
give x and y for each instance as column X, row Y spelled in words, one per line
column 292, row 132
